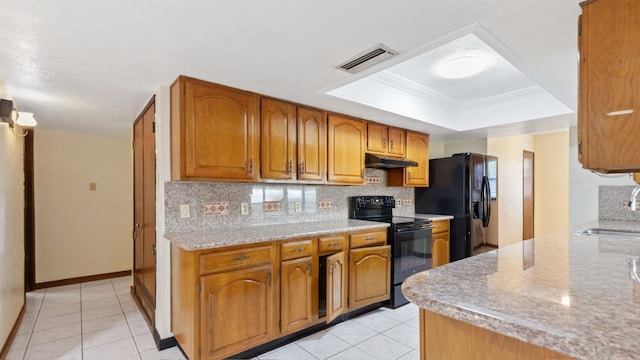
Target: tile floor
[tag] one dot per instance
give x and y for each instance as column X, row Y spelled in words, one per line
column 99, row 320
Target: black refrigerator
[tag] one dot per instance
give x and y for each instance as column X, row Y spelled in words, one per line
column 463, row 185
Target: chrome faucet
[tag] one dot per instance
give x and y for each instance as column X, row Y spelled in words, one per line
column 632, row 199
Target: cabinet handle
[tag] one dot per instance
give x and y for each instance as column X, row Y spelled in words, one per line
column 391, row 143
column 370, row 239
column 290, row 166
column 250, row 166
column 333, row 244
column 384, row 142
column 302, row 167
column 299, row 249
column 241, row 258
column 408, row 175
column 310, row 269
column 620, row 112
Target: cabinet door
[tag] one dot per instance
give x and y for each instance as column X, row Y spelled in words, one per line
column 377, row 138
column 369, row 275
column 312, row 144
column 345, row 145
column 278, row 127
column 336, row 286
column 297, row 291
column 440, row 249
column 609, row 99
column 221, row 132
column 417, row 150
column 397, row 141
column 236, row 311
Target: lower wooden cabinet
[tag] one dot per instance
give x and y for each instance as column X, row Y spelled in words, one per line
column 441, row 243
column 236, row 311
column 226, row 301
column 369, row 275
column 298, row 286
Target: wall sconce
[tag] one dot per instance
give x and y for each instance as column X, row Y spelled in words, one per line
column 10, row 115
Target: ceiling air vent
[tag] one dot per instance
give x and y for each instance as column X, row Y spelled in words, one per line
column 367, row 59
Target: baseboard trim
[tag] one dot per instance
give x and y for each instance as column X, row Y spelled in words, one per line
column 12, row 335
column 162, row 344
column 82, row 279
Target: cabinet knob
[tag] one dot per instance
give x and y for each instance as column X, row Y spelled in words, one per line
column 290, row 166
column 391, row 144
column 302, row 167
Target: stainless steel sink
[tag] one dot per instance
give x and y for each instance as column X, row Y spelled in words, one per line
column 610, row 232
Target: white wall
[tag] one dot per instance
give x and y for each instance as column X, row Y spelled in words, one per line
column 436, row 149
column 583, row 186
column 11, row 226
column 509, row 152
column 551, row 183
column 478, row 146
column 81, row 232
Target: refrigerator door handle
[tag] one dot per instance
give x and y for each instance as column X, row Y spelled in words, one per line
column 486, row 194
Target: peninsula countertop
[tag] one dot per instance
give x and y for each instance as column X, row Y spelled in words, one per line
column 567, row 292
column 230, row 236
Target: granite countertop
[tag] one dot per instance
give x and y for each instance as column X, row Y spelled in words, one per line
column 433, row 217
column 567, row 292
column 230, row 236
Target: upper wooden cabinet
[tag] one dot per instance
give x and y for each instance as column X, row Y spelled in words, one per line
column 312, row 145
column 418, row 151
column 278, row 127
column 609, row 98
column 214, row 132
column 346, row 142
column 385, row 140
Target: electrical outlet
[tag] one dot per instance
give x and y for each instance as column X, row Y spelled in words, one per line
column 92, row 186
column 398, row 203
column 244, row 208
column 185, row 211
column 298, row 206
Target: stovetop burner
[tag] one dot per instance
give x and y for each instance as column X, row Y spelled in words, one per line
column 380, row 208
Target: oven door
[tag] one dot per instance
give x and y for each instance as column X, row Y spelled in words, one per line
column 411, row 252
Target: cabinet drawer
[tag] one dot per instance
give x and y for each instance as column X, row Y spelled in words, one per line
column 440, row 226
column 296, row 249
column 234, row 259
column 331, row 244
column 368, row 239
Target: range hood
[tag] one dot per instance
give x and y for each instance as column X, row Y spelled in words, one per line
column 384, row 162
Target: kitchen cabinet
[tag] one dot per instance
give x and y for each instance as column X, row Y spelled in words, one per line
column 609, row 88
column 215, row 132
column 334, row 298
column 298, row 285
column 278, row 139
column 385, row 140
column 418, row 151
column 210, row 287
column 346, row 141
column 312, row 144
column 440, row 244
column 369, row 269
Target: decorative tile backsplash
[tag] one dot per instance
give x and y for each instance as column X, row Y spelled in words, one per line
column 611, row 201
column 216, row 204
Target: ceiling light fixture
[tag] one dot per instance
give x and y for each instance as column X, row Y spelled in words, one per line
column 10, row 114
column 462, row 67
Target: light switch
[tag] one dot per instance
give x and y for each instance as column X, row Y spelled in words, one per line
column 185, row 211
column 244, row 208
column 298, row 206
column 92, row 186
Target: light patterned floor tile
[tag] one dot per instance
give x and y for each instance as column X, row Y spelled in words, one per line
column 59, row 309
column 101, row 312
column 352, row 332
column 57, row 321
column 322, row 344
column 139, row 327
column 102, row 323
column 56, row 349
column 145, row 342
column 133, row 316
column 105, row 336
column 20, row 341
column 16, row 354
column 97, row 283
column 167, row 354
column 122, row 350
column 383, row 347
column 377, row 320
column 98, row 303
column 54, row 334
column 411, row 355
column 288, row 352
column 405, row 334
column 352, row 353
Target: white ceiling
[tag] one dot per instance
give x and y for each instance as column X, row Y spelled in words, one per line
column 91, row 66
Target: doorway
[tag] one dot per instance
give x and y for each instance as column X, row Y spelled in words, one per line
column 144, row 212
column 527, row 194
